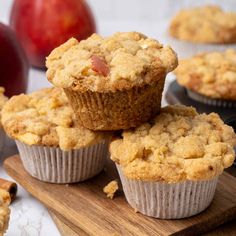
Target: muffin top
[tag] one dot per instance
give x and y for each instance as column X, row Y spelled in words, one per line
column 45, row 118
column 211, row 74
column 108, row 64
column 179, row 144
column 3, row 100
column 208, row 24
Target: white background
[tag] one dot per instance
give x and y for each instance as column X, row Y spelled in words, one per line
column 30, row 218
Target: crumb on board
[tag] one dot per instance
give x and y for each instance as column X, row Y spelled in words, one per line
column 111, row 188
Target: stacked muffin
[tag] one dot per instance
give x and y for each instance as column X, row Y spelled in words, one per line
column 167, row 158
column 112, row 83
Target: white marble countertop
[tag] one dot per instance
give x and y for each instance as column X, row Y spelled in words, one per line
column 28, row 216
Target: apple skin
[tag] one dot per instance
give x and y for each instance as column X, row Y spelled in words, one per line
column 14, row 67
column 42, row 25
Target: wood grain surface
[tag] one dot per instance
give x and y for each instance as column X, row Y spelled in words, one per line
column 85, row 209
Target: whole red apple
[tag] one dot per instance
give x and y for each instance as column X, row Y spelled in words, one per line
column 14, row 66
column 42, row 25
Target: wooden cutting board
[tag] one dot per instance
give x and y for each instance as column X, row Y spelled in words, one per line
column 85, row 209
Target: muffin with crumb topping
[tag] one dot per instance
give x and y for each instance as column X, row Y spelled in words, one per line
column 52, row 146
column 114, row 82
column 210, row 78
column 169, row 167
column 201, row 29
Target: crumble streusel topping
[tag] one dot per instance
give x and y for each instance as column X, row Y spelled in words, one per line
column 179, row 144
column 113, row 63
column 45, row 117
column 211, row 74
column 208, row 24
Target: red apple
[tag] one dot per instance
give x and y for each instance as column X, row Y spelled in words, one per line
column 14, row 66
column 42, row 25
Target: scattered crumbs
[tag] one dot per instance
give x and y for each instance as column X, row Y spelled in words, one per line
column 67, row 185
column 111, row 188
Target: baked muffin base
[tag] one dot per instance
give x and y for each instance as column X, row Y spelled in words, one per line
column 210, row 101
column 51, row 164
column 168, row 201
column 116, row 110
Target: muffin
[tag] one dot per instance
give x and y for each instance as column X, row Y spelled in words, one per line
column 169, row 167
column 112, row 83
column 3, row 100
column 4, row 211
column 201, row 29
column 52, row 146
column 210, row 77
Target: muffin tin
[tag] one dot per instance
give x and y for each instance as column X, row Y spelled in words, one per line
column 177, row 94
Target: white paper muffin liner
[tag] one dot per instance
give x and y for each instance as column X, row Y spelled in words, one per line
column 211, row 101
column 185, row 49
column 168, row 201
column 51, row 164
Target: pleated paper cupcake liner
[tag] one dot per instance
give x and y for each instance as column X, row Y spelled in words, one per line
column 168, row 201
column 117, row 110
column 186, row 49
column 211, row 101
column 51, row 164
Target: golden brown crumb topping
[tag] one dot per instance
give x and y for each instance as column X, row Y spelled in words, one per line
column 4, row 210
column 208, row 24
column 179, row 144
column 211, row 74
column 3, row 100
column 113, row 63
column 45, row 118
column 111, row 188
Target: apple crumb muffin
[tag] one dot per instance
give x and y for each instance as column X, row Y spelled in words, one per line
column 112, row 82
column 179, row 144
column 169, row 166
column 207, row 24
column 52, row 145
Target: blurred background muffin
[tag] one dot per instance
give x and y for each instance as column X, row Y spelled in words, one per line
column 202, row 29
column 210, row 78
